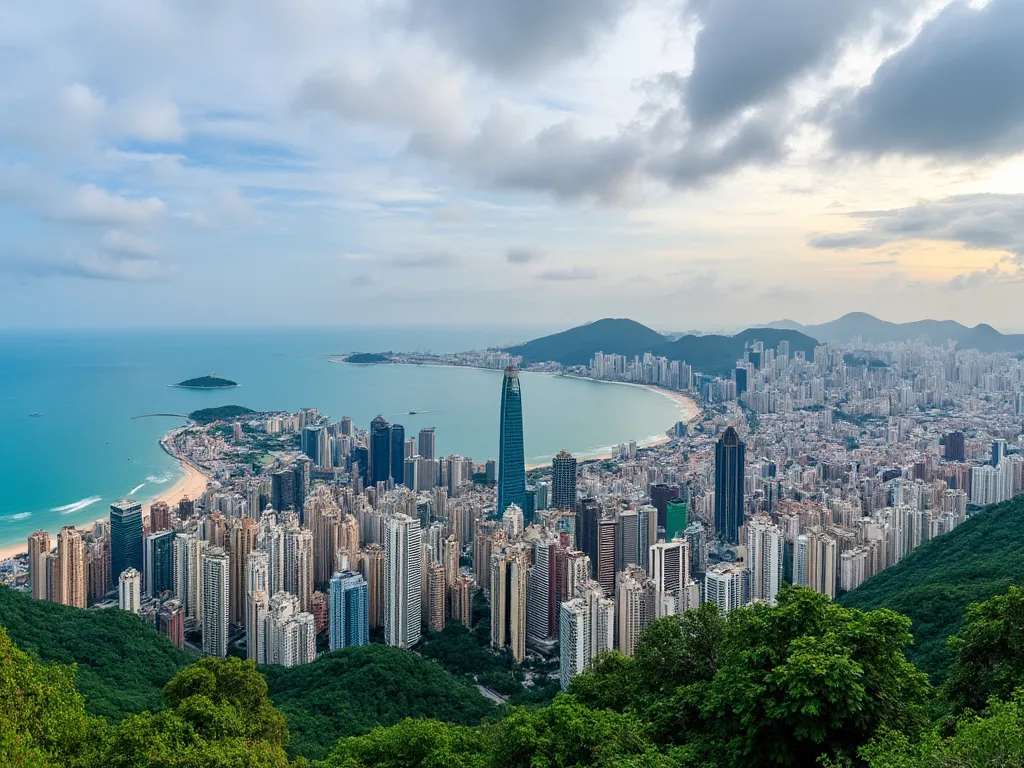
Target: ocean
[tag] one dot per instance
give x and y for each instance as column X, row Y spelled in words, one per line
column 87, row 448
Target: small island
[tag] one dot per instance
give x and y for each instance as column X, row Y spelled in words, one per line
column 206, row 382
column 367, row 358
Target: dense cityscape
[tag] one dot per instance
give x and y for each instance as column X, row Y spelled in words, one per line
column 315, row 534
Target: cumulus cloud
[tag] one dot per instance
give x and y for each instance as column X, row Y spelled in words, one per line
column 149, row 119
column 955, row 90
column 569, row 274
column 101, row 266
column 523, row 255
column 519, row 38
column 126, row 244
column 95, row 205
column 982, row 221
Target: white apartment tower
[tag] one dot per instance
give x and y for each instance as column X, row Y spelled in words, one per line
column 402, row 563
column 216, row 583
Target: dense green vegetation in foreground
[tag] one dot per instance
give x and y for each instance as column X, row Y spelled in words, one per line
column 349, row 692
column 207, row 382
column 221, row 413
column 123, row 663
column 806, row 682
column 935, row 583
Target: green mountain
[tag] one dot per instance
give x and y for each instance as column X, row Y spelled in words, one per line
column 710, row 354
column 349, row 692
column 123, row 663
column 869, row 328
column 935, row 583
column 577, row 345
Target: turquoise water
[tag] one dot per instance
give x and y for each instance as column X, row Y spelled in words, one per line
column 86, row 450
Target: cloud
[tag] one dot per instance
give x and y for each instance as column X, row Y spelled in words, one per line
column 94, row 205
column 572, row 273
column 983, row 221
column 126, row 244
column 954, row 91
column 523, row 255
column 516, row 38
column 150, row 119
column 95, row 267
column 426, row 261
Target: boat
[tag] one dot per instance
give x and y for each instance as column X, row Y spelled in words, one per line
column 35, row 415
column 412, row 413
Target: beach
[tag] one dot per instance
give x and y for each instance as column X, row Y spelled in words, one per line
column 191, row 484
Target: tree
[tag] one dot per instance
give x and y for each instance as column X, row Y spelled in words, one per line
column 988, row 653
column 412, row 744
column 807, row 678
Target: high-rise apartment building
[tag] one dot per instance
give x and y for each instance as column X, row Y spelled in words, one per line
column 298, row 565
column 586, row 629
column 511, row 453
column 563, row 481
column 725, row 586
column 730, row 456
column 634, row 607
column 216, row 597
column 125, row 537
column 188, row 574
column 244, row 532
column 159, row 516
column 402, row 590
column 282, row 490
column 668, row 568
column 170, row 621
column 607, row 541
column 290, row 633
column 349, row 610
column 129, row 590
column 427, row 443
column 38, row 550
column 508, row 599
column 542, row 594
column 257, row 606
column 71, row 587
column 764, row 559
column 955, row 447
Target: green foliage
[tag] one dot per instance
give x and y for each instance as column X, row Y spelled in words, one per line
column 988, row 653
column 207, row 382
column 44, row 721
column 412, row 744
column 220, row 413
column 122, row 662
column 349, row 692
column 993, row 740
column 367, row 358
column 935, row 583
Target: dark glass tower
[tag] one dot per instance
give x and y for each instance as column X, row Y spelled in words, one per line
column 125, row 537
column 380, row 450
column 398, row 453
column 730, row 454
column 563, row 474
column 511, row 455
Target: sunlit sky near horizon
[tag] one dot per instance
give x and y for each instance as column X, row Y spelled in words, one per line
column 687, row 163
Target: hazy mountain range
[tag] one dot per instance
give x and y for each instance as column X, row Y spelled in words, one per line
column 872, row 330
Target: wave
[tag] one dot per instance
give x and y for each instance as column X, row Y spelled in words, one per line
column 67, row 509
column 135, row 490
column 156, row 479
column 18, row 516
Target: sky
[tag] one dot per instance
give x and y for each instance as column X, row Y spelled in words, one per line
column 692, row 164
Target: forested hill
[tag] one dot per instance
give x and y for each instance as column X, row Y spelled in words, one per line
column 711, row 354
column 935, row 583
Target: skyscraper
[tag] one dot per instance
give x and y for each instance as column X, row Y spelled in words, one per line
column 38, row 550
column 563, row 489
column 398, row 454
column 216, row 578
column 764, row 559
column 159, row 563
column 71, row 584
column 730, row 454
column 243, row 542
column 129, row 590
column 402, row 590
column 349, row 617
column 508, row 599
column 380, row 450
column 955, row 448
column 125, row 537
column 511, row 454
column 427, row 443
column 661, row 494
column 677, row 517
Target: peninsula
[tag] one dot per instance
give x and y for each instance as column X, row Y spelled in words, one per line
column 206, row 382
column 367, row 358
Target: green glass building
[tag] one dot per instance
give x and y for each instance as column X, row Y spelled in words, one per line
column 677, row 517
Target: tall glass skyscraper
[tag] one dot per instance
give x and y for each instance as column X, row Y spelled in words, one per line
column 398, row 453
column 511, row 455
column 380, row 450
column 730, row 455
column 349, row 623
column 125, row 537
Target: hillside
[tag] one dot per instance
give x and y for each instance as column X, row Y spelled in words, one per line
column 935, row 583
column 349, row 692
column 123, row 664
column 717, row 355
column 577, row 345
column 711, row 354
column 873, row 330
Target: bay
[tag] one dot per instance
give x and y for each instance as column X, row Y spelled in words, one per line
column 87, row 449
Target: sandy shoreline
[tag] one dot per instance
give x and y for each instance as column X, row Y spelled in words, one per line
column 191, row 484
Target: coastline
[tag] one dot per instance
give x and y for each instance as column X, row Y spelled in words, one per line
column 192, row 484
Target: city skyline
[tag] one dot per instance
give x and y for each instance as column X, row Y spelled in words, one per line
column 613, row 153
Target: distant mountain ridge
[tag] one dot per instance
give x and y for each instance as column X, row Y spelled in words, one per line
column 872, row 330
column 710, row 354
